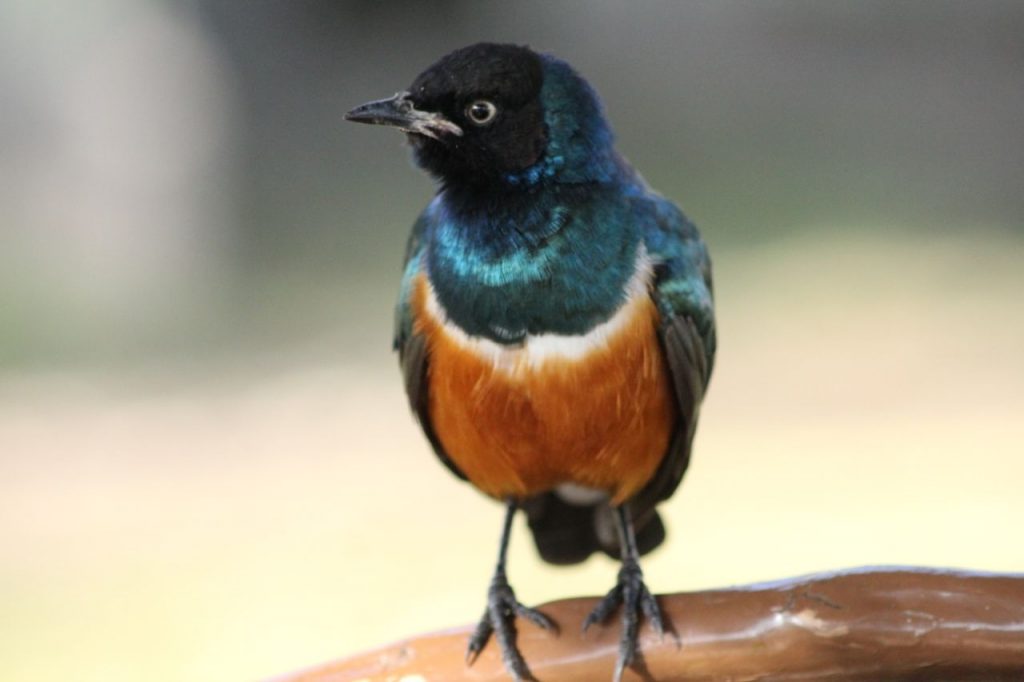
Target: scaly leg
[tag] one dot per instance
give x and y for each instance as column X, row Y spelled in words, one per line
column 631, row 593
column 500, row 615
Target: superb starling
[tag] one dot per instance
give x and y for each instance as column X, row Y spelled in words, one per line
column 555, row 324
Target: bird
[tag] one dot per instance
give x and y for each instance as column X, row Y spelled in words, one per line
column 555, row 322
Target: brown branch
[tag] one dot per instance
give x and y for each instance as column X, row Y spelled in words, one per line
column 871, row 624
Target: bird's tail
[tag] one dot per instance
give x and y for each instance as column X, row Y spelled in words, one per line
column 567, row 534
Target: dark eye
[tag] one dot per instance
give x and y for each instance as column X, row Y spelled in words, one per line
column 481, row 112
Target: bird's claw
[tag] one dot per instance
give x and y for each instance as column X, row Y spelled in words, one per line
column 499, row 618
column 632, row 594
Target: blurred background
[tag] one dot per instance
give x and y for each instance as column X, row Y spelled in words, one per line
column 207, row 467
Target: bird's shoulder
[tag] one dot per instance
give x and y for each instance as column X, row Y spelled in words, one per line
column 682, row 286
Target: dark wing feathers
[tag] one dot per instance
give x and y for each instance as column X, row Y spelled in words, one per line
column 684, row 354
column 683, row 294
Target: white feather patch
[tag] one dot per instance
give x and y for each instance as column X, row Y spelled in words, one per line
column 581, row 495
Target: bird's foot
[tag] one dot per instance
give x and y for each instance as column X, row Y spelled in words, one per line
column 499, row 618
column 632, row 594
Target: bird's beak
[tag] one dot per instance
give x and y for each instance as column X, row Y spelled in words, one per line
column 400, row 112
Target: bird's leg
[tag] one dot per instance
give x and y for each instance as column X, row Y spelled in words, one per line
column 500, row 615
column 631, row 593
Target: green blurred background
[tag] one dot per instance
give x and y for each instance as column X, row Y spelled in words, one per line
column 207, row 468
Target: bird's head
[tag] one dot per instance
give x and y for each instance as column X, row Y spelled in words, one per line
column 499, row 114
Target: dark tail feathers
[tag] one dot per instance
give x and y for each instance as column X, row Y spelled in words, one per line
column 568, row 534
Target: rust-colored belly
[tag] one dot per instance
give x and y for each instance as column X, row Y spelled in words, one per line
column 525, row 425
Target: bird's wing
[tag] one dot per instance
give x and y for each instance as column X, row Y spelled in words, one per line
column 682, row 292
column 411, row 346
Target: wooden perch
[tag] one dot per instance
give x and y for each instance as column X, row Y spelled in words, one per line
column 869, row 624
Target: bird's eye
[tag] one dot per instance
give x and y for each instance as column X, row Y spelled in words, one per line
column 481, row 112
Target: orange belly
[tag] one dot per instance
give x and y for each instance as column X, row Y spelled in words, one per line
column 520, row 426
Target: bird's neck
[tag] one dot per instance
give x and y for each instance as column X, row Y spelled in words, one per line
column 496, row 219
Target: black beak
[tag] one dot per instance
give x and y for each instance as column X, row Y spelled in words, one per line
column 400, row 112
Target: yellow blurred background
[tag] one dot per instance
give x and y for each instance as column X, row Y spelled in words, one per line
column 207, row 467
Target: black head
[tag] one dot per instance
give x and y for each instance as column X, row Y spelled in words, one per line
column 473, row 116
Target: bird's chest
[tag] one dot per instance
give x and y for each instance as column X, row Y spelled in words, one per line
column 594, row 409
column 547, row 280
